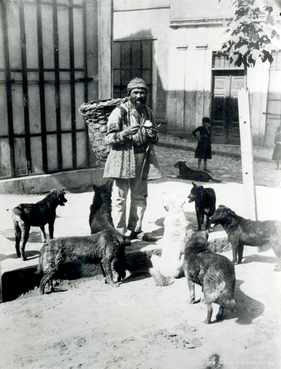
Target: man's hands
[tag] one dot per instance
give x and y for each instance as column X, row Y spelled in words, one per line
column 130, row 131
column 151, row 132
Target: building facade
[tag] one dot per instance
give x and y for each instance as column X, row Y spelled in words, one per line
column 187, row 78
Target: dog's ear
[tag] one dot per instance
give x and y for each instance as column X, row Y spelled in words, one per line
column 95, row 187
column 109, row 184
column 230, row 212
column 194, row 184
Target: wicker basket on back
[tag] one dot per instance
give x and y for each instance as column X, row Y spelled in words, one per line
column 95, row 114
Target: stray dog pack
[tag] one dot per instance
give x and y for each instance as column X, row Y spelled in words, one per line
column 100, row 211
column 176, row 233
column 69, row 252
column 248, row 232
column 205, row 203
column 214, row 272
column 36, row 215
column 194, row 175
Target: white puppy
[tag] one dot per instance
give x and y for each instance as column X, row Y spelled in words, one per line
column 170, row 265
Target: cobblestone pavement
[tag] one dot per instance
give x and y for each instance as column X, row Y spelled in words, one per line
column 225, row 164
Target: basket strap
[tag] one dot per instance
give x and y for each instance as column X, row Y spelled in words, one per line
column 123, row 116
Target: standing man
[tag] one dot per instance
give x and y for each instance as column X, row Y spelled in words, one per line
column 131, row 132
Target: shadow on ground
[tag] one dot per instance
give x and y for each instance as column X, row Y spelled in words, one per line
column 248, row 309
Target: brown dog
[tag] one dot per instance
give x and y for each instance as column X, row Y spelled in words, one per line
column 214, row 272
column 69, row 252
column 100, row 211
column 36, row 215
column 248, row 232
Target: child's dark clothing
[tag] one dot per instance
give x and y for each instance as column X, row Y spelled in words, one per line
column 277, row 149
column 203, row 149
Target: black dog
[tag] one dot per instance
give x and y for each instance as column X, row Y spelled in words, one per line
column 194, row 175
column 205, row 203
column 100, row 211
column 214, row 272
column 36, row 215
column 100, row 248
column 248, row 232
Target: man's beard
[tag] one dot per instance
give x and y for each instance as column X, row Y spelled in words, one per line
column 139, row 103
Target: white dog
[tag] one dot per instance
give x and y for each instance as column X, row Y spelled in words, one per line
column 170, row 265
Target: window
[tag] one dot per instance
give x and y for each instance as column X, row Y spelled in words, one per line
column 131, row 59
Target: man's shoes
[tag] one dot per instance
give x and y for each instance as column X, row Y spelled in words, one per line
column 141, row 236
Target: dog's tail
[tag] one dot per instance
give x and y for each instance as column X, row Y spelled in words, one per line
column 39, row 269
column 160, row 280
column 231, row 305
column 215, row 180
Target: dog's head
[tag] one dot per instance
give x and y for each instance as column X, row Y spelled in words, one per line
column 202, row 236
column 103, row 190
column 180, row 164
column 61, row 197
column 171, row 204
column 195, row 192
column 221, row 215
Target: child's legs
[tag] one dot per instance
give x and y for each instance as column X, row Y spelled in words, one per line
column 205, row 163
column 199, row 163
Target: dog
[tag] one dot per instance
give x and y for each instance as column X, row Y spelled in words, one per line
column 100, row 211
column 100, row 248
column 205, row 203
column 170, row 265
column 36, row 215
column 241, row 231
column 194, row 175
column 214, row 272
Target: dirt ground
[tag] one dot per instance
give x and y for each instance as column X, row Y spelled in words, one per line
column 88, row 324
column 139, row 325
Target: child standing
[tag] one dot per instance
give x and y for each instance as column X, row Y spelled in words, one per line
column 277, row 149
column 203, row 149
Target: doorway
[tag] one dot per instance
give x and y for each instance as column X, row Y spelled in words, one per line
column 225, row 117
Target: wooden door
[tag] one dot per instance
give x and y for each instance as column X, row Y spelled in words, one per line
column 225, row 123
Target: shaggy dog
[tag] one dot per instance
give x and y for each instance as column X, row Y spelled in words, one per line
column 170, row 264
column 62, row 253
column 194, row 175
column 100, row 211
column 36, row 215
column 205, row 203
column 214, row 272
column 248, row 232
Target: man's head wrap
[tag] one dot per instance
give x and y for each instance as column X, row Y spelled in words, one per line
column 136, row 83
